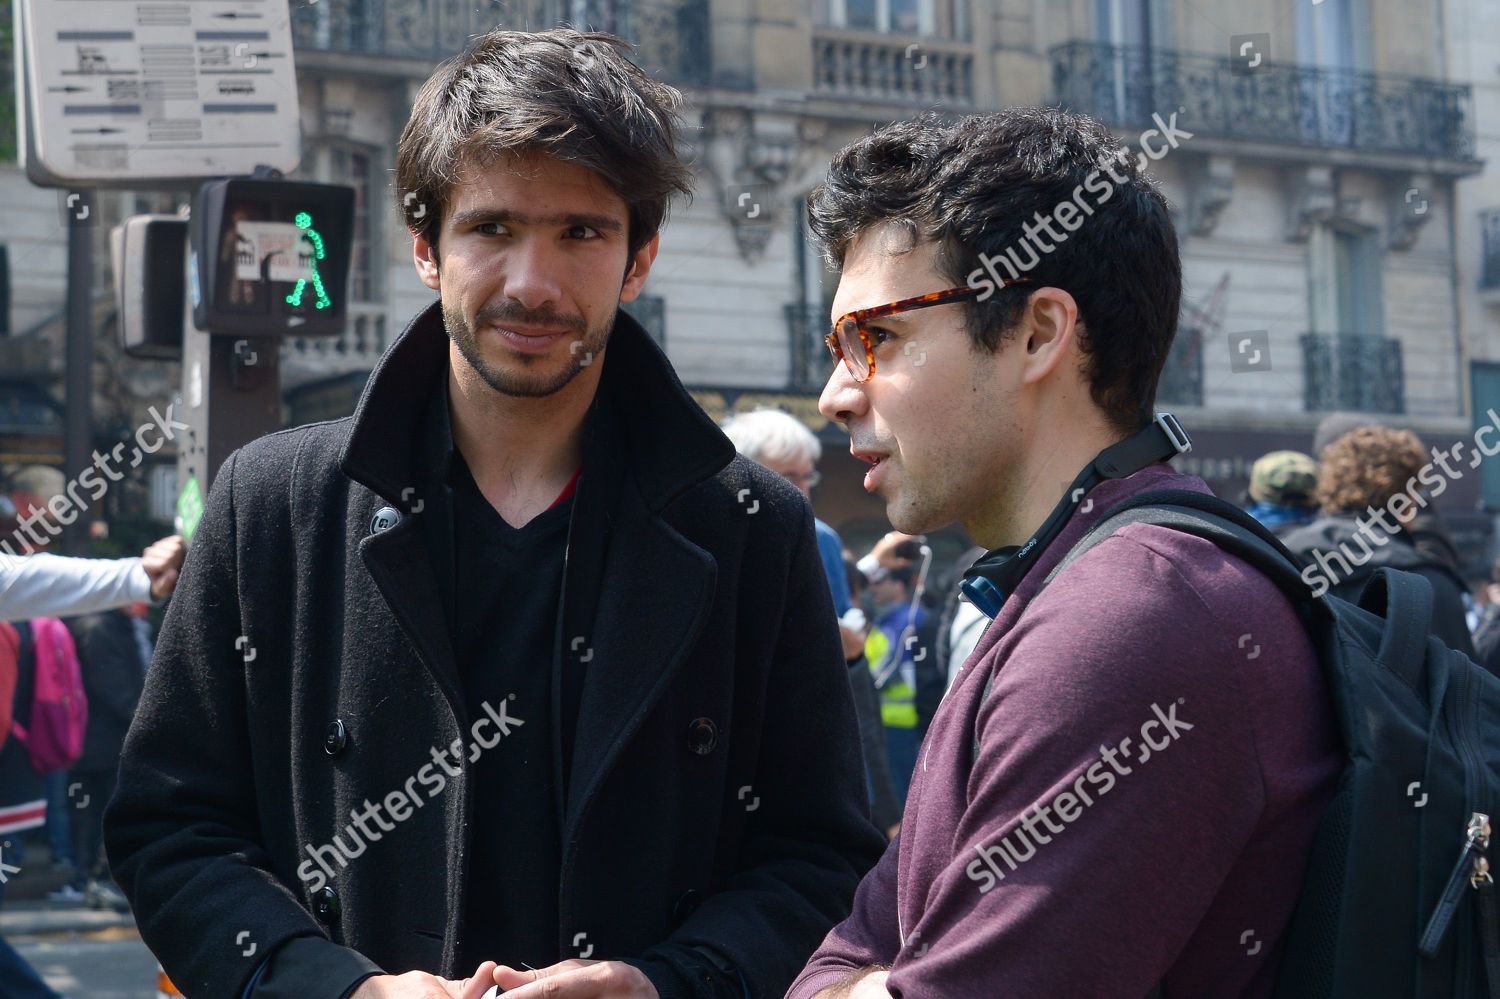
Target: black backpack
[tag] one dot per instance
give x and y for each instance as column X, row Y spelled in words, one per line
column 1398, row 900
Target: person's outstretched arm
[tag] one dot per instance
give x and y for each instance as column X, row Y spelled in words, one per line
column 45, row 585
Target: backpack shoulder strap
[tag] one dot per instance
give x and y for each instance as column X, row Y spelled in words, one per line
column 1204, row 516
column 1201, row 514
column 1403, row 599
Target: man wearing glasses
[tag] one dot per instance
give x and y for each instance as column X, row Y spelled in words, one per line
column 519, row 666
column 1114, row 796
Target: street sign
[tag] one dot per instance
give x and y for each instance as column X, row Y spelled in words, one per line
column 190, row 508
column 120, row 94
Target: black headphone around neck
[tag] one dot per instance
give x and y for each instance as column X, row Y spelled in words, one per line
column 997, row 573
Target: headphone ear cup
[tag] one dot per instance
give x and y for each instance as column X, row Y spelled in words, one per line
column 991, row 579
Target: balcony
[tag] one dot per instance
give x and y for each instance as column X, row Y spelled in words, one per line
column 810, row 362
column 1280, row 103
column 1489, row 268
column 312, row 358
column 1349, row 371
column 852, row 64
column 671, row 36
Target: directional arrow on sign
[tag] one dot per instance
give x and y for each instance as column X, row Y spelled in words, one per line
column 66, row 90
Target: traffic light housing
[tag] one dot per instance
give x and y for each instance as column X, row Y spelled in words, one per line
column 148, row 264
column 270, row 257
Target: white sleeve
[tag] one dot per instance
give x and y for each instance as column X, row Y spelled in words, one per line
column 55, row 586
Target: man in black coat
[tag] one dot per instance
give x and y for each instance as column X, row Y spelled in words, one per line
column 519, row 664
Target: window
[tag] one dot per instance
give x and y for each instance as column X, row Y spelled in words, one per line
column 1345, row 281
column 1123, row 22
column 1331, row 36
column 356, row 167
column 8, row 95
column 945, row 18
column 651, row 312
column 1348, row 362
column 807, row 316
column 1125, row 26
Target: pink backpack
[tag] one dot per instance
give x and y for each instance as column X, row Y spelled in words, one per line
column 59, row 710
column 10, row 651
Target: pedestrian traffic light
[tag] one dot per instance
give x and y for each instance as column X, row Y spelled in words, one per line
column 270, row 257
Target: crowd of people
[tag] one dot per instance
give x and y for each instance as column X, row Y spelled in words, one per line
column 75, row 645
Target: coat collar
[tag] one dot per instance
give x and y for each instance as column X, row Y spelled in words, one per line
column 671, row 443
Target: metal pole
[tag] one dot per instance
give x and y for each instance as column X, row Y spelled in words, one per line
column 79, row 419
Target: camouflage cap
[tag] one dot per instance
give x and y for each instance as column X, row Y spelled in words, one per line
column 1286, row 478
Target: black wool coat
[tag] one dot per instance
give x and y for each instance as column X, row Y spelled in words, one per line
column 715, row 820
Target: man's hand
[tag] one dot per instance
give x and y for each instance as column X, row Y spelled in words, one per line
column 866, row 984
column 162, row 562
column 885, row 549
column 576, row 979
column 420, row 985
column 854, row 642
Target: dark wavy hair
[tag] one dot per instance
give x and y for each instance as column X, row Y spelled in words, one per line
column 568, row 94
column 971, row 185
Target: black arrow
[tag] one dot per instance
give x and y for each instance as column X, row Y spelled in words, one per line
column 234, row 16
column 66, row 90
column 97, row 131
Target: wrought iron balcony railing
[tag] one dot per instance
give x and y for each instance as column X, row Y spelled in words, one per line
column 806, row 326
column 1489, row 225
column 851, row 64
column 357, row 348
column 1273, row 102
column 1349, row 371
column 671, row 36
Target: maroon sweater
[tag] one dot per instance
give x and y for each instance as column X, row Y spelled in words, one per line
column 1154, row 755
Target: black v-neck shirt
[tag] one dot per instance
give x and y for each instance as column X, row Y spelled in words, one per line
column 508, row 590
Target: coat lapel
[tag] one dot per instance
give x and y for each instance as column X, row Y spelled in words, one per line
column 400, row 562
column 643, row 632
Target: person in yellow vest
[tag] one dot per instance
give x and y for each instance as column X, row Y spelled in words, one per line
column 892, row 649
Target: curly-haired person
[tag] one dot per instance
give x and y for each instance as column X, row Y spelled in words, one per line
column 1365, row 494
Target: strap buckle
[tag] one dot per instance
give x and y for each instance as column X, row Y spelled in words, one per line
column 1178, row 436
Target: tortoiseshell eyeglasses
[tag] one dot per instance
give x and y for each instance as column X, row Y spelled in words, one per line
column 849, row 340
